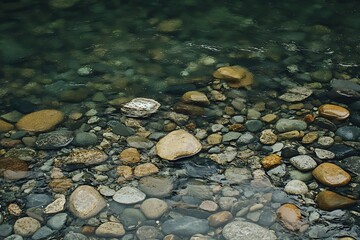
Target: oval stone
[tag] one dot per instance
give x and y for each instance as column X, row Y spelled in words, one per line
column 331, row 175
column 110, row 229
column 40, row 121
column 26, row 226
column 195, row 97
column 286, row 125
column 129, row 195
column 331, row 111
column 328, row 200
column 86, row 157
column 290, row 216
column 86, row 202
column 303, row 162
column 13, row 168
column 177, row 144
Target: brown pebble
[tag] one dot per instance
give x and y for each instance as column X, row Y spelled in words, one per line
column 14, row 209
column 60, row 185
column 145, row 169
column 129, row 156
column 290, row 216
column 271, row 161
column 328, row 200
column 220, row 218
column 332, row 111
column 331, row 175
column 13, row 168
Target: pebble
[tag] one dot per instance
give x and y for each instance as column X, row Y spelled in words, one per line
column 154, row 208
column 120, row 129
column 85, row 202
column 290, row 216
column 269, row 118
column 237, row 175
column 40, row 121
column 331, row 111
column 156, row 186
column 296, row 187
column 303, row 162
column 5, row 230
column 331, row 175
column 14, row 237
column 185, row 226
column 271, row 161
column 254, row 125
column 186, row 145
column 296, row 94
column 325, row 141
column 145, row 169
column 328, row 201
column 241, row 230
column 42, row 233
column 302, row 176
column 106, row 191
column 56, row 206
column 26, row 226
column 209, row 206
column 129, row 195
column 220, row 218
column 230, row 136
column 324, row 154
column 85, row 139
column 139, row 142
column 310, row 138
column 86, row 157
column 268, row 137
column 131, row 217
column 57, row 221
column 195, row 97
column 110, row 229
column 13, row 168
column 148, row 232
column 5, row 126
column 286, row 125
column 246, row 138
column 140, row 107
column 214, row 139
column 348, row 133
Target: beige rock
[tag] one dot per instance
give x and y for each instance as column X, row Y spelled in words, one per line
column 269, row 118
column 60, row 185
column 220, row 218
column 290, row 216
column 214, row 139
column 290, row 135
column 26, row 226
column 86, row 202
column 331, row 175
column 195, row 97
column 209, row 206
column 124, row 171
column 235, row 76
column 145, row 169
column 5, row 126
column 56, row 206
column 154, row 208
column 86, row 157
column 268, row 137
column 310, row 137
column 177, row 144
column 40, row 121
column 328, row 200
column 14, row 209
column 170, row 25
column 129, row 156
column 110, row 229
column 218, row 96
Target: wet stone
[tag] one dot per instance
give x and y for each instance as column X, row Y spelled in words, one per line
column 140, row 107
column 240, row 230
column 303, row 162
column 131, row 217
column 268, row 137
column 220, row 218
column 348, row 133
column 76, row 236
column 296, row 187
column 324, row 154
column 129, row 195
column 145, row 169
column 310, row 138
column 331, row 111
column 296, row 94
column 5, row 230
column 195, row 97
column 254, row 125
column 148, row 232
column 13, row 168
column 331, row 175
column 325, row 141
column 40, row 121
column 110, row 229
column 342, row 151
column 129, row 156
column 120, row 129
column 189, row 109
column 246, row 138
column 271, row 161
column 85, row 139
column 86, row 157
column 5, row 126
column 328, row 200
column 238, row 175
column 230, row 136
column 154, row 208
column 139, row 142
column 286, row 125
column 57, row 221
column 42, row 233
column 352, row 164
column 290, row 216
column 26, row 226
column 185, row 226
column 54, row 140
column 37, row 200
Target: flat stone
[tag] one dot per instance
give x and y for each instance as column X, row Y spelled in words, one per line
column 149, row 232
column 129, row 195
column 140, row 107
column 42, row 233
column 235, row 76
column 286, row 125
column 156, row 186
column 60, row 185
column 13, row 168
column 209, row 206
column 296, row 94
column 56, row 206
column 86, row 157
column 214, row 139
column 54, row 139
column 154, row 208
column 85, row 139
column 139, row 142
column 189, row 109
column 195, row 97
column 324, row 154
column 220, row 218
column 5, row 126
column 230, row 136
column 124, row 172
column 131, row 217
column 331, row 111
column 57, row 221
column 240, row 230
column 271, row 161
column 303, row 162
column 26, row 226
column 290, row 216
column 145, row 169
column 348, row 133
column 331, row 175
column 185, row 226
column 328, row 201
column 237, row 175
column 129, row 156
column 269, row 118
column 296, row 187
column 40, row 121
column 110, row 229
column 85, row 202
column 177, row 144
column 310, row 137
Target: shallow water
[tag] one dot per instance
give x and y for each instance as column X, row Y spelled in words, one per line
column 90, row 53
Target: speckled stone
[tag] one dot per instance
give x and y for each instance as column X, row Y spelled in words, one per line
column 296, row 187
column 86, row 157
column 271, row 161
column 26, row 226
column 40, row 121
column 241, row 230
column 129, row 156
column 303, row 162
column 331, row 175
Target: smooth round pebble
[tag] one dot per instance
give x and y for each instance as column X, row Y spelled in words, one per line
column 129, row 195
column 296, row 187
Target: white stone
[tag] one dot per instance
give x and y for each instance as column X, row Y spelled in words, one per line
column 56, row 206
column 296, row 187
column 129, row 195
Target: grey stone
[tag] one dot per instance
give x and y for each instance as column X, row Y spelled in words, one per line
column 38, row 200
column 200, row 191
column 237, row 175
column 286, row 125
column 129, row 195
column 120, row 129
column 139, row 142
column 148, row 232
column 131, row 217
column 5, row 230
column 42, row 233
column 57, row 221
column 254, row 125
column 348, row 133
column 185, row 226
column 75, row 236
column 84, row 139
column 239, row 230
column 296, row 187
column 245, row 139
column 156, row 186
column 230, row 136
column 303, row 162
column 14, row 237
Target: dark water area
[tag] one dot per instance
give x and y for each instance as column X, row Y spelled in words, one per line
column 87, row 58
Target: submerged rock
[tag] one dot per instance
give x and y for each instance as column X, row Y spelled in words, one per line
column 331, row 111
column 54, row 140
column 328, row 200
column 140, row 107
column 235, row 76
column 331, row 175
column 40, row 121
column 290, row 216
column 239, row 230
column 296, row 94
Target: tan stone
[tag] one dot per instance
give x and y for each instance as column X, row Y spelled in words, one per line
column 310, row 137
column 145, row 169
column 195, row 97
column 14, row 209
column 269, row 118
column 129, row 156
column 189, row 109
column 328, row 201
column 124, row 171
column 56, row 206
column 60, row 185
column 331, row 175
column 332, row 111
column 271, row 161
column 214, row 139
column 13, row 168
column 26, row 226
column 86, row 202
column 218, row 96
column 235, row 76
column 86, row 157
column 177, row 144
column 237, row 127
column 154, row 208
column 220, row 218
column 40, row 121
column 209, row 206
column 290, row 216
column 110, row 229
column 268, row 137
column 5, row 126
column 290, row 135
column 170, row 25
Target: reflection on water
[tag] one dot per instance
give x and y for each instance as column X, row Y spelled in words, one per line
column 87, row 58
